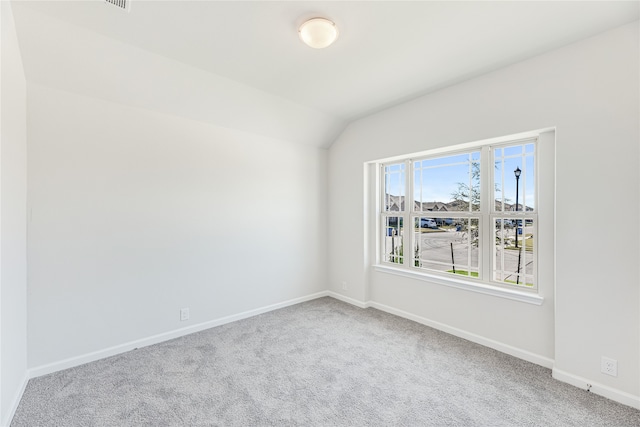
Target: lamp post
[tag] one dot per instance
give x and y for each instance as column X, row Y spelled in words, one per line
column 517, row 173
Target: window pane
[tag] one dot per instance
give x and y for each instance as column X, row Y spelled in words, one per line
column 393, row 238
column 394, row 187
column 452, row 249
column 513, row 255
column 513, row 150
column 449, row 183
column 507, row 161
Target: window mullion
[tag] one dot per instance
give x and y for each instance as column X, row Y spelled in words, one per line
column 408, row 242
column 382, row 226
column 486, row 202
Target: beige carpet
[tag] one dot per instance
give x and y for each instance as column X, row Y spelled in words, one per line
column 320, row 363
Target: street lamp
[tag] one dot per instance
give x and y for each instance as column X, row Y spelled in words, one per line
column 517, row 173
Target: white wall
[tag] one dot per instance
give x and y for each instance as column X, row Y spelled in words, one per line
column 13, row 202
column 589, row 92
column 136, row 214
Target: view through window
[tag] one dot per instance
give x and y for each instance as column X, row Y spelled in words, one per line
column 466, row 214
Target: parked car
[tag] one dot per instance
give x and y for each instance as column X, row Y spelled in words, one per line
column 428, row 223
column 444, row 221
column 507, row 222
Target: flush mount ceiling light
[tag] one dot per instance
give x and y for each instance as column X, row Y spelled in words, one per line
column 318, row 33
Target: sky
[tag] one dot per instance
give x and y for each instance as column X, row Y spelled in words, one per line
column 436, row 179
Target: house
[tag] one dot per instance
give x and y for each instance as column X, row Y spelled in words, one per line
column 126, row 164
column 434, row 207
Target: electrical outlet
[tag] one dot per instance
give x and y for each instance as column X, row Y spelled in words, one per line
column 344, row 286
column 184, row 314
column 609, row 366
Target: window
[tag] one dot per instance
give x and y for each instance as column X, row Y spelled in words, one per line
column 467, row 214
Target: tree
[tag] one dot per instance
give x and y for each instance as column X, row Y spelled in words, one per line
column 466, row 194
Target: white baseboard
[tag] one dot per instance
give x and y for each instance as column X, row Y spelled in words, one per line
column 348, row 300
column 478, row 339
column 583, row 383
column 6, row 422
column 155, row 339
column 600, row 389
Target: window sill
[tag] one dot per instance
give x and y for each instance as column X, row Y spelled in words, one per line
column 482, row 288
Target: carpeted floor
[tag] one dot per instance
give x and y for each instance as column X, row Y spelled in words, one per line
column 320, row 363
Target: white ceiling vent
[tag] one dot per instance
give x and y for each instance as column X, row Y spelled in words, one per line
column 122, row 4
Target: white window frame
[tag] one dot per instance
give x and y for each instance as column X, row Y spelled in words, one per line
column 513, row 215
column 487, row 214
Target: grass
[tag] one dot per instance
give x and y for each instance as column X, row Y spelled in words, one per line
column 519, row 284
column 464, row 273
column 528, row 243
column 431, row 230
column 475, row 274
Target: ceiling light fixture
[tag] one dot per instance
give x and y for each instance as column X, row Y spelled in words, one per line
column 318, row 33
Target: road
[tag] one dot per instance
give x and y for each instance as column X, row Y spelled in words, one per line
column 435, row 254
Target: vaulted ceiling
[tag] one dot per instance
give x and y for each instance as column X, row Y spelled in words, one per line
column 240, row 64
